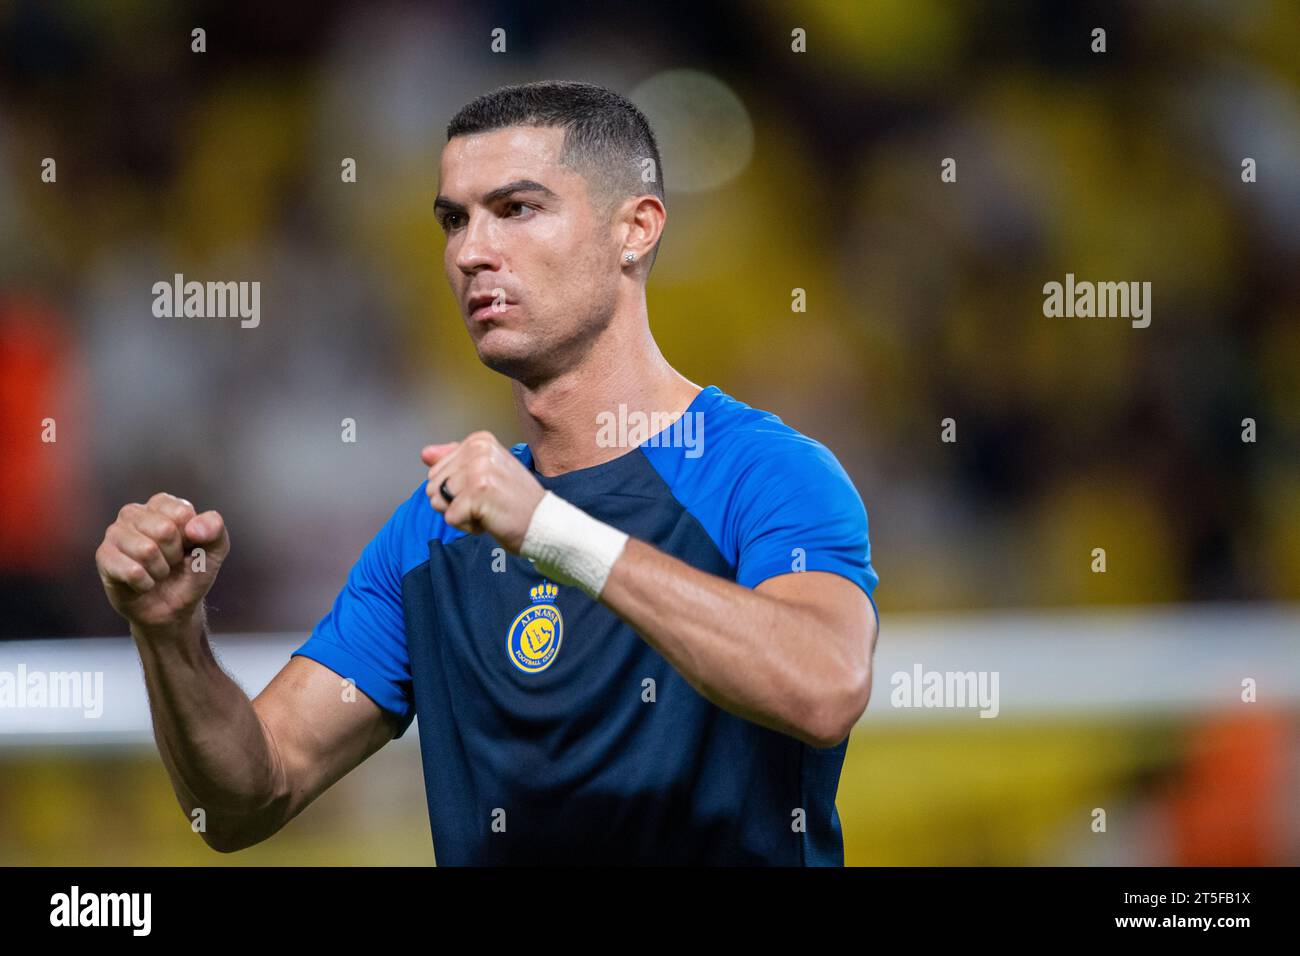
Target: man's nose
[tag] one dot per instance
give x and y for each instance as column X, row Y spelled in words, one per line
column 478, row 248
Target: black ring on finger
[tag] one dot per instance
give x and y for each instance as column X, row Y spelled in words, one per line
column 442, row 490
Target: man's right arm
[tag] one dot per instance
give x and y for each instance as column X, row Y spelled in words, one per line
column 250, row 766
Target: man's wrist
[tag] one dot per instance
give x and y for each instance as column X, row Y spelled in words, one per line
column 569, row 545
column 181, row 639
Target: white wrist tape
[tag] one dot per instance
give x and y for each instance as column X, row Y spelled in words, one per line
column 571, row 546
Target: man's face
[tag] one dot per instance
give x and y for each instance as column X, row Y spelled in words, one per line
column 534, row 266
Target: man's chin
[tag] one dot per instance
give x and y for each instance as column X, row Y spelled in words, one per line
column 514, row 359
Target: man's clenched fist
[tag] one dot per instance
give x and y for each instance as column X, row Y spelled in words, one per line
column 491, row 489
column 147, row 565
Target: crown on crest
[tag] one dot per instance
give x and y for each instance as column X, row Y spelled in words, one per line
column 545, row 591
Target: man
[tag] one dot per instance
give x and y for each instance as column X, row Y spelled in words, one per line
column 651, row 653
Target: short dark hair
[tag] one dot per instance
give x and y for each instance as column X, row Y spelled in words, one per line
column 606, row 137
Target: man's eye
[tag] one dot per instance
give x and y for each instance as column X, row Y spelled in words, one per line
column 519, row 205
column 450, row 220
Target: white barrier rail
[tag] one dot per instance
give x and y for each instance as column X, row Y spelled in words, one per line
column 1081, row 662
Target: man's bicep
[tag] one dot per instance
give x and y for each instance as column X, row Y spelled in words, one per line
column 320, row 725
column 836, row 601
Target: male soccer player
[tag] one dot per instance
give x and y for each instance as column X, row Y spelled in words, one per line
column 651, row 653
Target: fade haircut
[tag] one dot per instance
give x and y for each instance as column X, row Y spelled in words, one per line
column 606, row 138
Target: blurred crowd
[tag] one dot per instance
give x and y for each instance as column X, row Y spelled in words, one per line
column 924, row 297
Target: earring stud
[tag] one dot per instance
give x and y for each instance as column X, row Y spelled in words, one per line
column 629, row 257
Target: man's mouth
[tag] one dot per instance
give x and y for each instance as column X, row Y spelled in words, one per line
column 484, row 307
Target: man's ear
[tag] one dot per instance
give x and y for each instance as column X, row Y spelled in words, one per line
column 640, row 223
column 651, row 217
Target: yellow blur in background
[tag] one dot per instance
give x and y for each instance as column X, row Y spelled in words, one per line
column 817, row 171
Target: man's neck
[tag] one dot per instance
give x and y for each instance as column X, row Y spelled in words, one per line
column 561, row 417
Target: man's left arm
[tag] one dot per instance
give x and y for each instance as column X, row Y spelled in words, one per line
column 792, row 654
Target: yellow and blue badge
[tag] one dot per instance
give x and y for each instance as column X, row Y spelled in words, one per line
column 534, row 637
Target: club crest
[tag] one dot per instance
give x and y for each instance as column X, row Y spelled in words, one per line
column 534, row 636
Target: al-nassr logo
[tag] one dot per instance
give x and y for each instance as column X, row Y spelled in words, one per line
column 534, row 637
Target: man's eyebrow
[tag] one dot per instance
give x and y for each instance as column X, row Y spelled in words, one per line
column 443, row 204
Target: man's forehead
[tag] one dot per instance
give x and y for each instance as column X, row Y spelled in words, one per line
column 491, row 158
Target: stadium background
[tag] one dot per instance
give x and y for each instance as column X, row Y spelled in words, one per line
column 818, row 171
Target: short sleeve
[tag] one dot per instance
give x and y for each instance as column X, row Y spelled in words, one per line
column 798, row 510
column 363, row 636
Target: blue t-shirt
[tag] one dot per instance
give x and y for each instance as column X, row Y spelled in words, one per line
column 550, row 732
